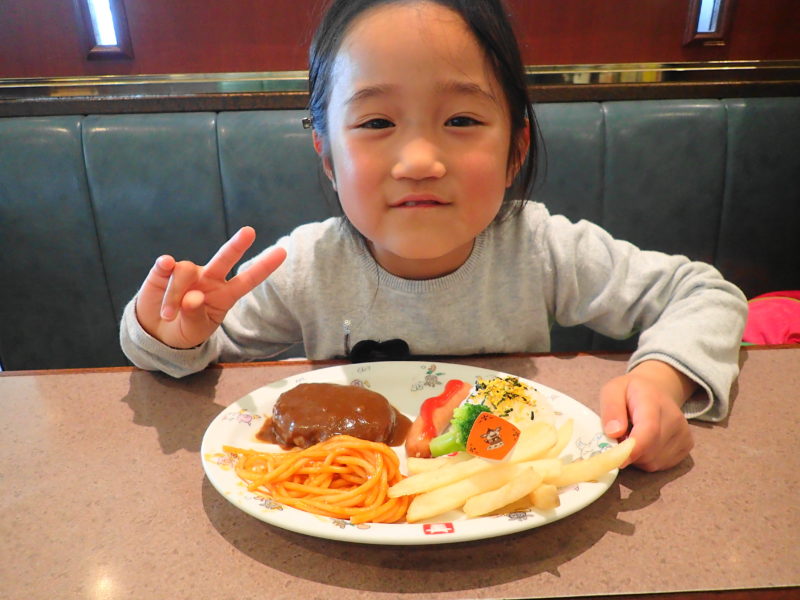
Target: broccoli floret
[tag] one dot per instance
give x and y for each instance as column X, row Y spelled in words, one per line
column 455, row 438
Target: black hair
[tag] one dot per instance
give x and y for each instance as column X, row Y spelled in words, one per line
column 490, row 24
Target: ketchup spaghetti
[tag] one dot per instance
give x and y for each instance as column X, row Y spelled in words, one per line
column 343, row 477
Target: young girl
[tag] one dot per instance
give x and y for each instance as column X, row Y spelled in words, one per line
column 422, row 122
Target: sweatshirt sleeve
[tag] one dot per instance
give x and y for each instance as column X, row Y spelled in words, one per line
column 146, row 352
column 686, row 313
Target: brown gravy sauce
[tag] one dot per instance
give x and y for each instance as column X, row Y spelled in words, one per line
column 313, row 412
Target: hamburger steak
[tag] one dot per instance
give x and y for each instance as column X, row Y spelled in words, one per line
column 313, row 412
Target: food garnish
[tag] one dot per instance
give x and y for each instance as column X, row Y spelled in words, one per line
column 509, row 398
column 455, row 438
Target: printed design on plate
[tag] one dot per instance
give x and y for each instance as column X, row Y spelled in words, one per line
column 438, row 528
column 360, row 380
column 591, row 446
column 243, row 416
column 344, row 523
column 223, row 460
column 430, row 379
column 554, row 399
column 267, row 502
column 519, row 515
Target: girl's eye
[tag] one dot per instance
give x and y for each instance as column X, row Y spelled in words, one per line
column 377, row 124
column 462, row 122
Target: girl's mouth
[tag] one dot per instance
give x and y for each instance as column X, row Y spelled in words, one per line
column 413, row 201
column 421, row 203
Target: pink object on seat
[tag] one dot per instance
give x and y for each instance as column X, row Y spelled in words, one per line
column 773, row 318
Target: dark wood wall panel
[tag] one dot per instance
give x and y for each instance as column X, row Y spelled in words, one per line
column 41, row 38
column 227, row 36
column 625, row 31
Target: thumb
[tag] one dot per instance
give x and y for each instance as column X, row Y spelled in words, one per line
column 614, row 407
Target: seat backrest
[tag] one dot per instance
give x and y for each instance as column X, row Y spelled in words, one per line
column 88, row 202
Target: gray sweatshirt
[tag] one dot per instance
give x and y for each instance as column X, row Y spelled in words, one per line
column 523, row 274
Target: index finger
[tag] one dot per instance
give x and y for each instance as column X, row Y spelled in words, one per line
column 258, row 271
column 230, row 253
column 645, row 418
column 614, row 407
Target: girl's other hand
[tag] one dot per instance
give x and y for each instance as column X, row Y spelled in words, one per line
column 181, row 303
column 646, row 404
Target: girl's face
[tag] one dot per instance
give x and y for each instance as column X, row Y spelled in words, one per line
column 418, row 138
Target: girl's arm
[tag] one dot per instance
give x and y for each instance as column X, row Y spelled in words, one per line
column 688, row 316
column 690, row 321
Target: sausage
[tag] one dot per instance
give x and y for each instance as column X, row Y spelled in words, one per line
column 434, row 416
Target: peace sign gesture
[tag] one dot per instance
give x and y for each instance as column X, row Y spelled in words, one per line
column 182, row 304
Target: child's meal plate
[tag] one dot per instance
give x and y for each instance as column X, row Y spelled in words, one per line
column 406, row 385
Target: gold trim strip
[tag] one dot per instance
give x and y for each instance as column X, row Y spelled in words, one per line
column 710, row 72
column 143, row 86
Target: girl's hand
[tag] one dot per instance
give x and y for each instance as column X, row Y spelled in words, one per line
column 646, row 404
column 181, row 304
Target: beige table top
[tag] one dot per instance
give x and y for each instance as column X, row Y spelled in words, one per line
column 104, row 496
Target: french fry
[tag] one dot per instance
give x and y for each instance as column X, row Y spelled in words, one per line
column 529, row 477
column 523, row 484
column 594, row 467
column 454, row 495
column 430, row 480
column 564, row 436
column 421, row 465
column 548, row 468
column 533, row 443
column 545, row 497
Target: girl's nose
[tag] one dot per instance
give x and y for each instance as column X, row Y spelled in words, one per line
column 418, row 159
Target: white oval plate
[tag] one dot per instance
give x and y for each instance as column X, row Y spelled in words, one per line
column 406, row 385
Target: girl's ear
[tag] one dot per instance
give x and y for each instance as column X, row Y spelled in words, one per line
column 518, row 159
column 327, row 166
